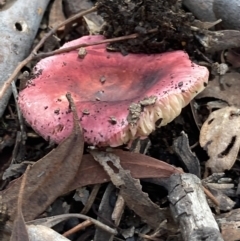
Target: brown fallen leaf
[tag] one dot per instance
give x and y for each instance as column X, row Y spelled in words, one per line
column 220, row 136
column 130, row 189
column 48, row 178
column 90, row 172
column 19, row 232
column 229, row 224
column 140, row 166
column 56, row 15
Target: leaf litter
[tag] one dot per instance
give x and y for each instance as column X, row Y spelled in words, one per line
column 53, row 176
column 49, row 177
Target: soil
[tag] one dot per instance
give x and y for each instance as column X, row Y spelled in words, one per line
column 171, row 21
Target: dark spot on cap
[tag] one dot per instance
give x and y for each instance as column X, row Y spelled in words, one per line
column 180, row 84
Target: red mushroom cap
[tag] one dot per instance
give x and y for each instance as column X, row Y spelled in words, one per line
column 118, row 98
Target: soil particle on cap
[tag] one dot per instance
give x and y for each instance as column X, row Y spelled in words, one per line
column 86, row 112
column 124, row 17
column 113, row 120
column 82, row 52
column 134, row 113
column 102, row 79
column 148, row 101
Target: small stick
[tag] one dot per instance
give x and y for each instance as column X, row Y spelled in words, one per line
column 105, row 41
column 77, row 228
column 210, row 196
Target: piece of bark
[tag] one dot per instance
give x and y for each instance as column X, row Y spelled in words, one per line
column 182, row 149
column 42, row 233
column 189, row 207
column 214, row 41
column 105, row 213
column 18, row 26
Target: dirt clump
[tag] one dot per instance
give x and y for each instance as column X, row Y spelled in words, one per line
column 124, row 17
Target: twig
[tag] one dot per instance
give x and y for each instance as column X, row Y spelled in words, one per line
column 105, row 41
column 51, row 221
column 21, row 135
column 210, row 196
column 77, row 228
column 91, row 199
column 8, row 82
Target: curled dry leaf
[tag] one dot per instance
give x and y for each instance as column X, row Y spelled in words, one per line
column 220, row 136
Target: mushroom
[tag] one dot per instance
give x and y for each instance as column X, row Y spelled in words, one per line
column 118, row 98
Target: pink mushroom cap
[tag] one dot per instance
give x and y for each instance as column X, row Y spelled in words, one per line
column 110, row 91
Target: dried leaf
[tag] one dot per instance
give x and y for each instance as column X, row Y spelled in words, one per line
column 228, row 91
column 220, row 136
column 130, row 189
column 233, row 57
column 229, row 224
column 56, row 15
column 230, row 230
column 19, row 232
column 90, row 172
column 140, row 166
column 93, row 21
column 48, row 178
